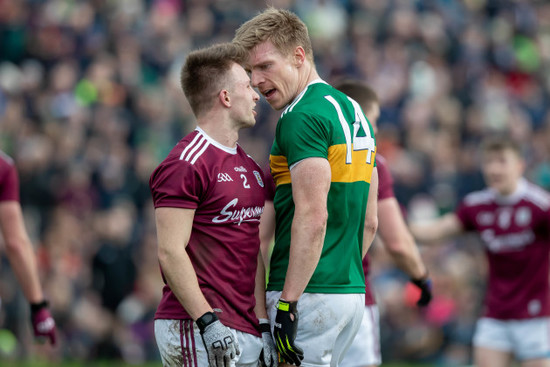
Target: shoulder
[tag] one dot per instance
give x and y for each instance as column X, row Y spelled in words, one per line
column 479, row 198
column 537, row 196
column 316, row 100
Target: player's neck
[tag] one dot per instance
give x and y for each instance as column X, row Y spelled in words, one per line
column 223, row 133
column 310, row 74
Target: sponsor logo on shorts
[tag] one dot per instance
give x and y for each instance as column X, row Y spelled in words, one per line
column 240, row 169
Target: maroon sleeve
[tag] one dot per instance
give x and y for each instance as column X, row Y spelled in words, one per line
column 176, row 184
column 463, row 213
column 385, row 180
column 9, row 181
column 269, row 184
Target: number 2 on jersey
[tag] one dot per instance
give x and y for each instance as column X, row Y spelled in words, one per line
column 358, row 142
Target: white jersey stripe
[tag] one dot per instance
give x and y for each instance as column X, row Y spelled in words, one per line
column 189, row 146
column 195, row 148
column 200, row 152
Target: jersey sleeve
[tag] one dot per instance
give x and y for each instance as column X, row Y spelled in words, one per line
column 385, row 179
column 176, row 184
column 9, row 183
column 269, row 184
column 302, row 136
column 465, row 216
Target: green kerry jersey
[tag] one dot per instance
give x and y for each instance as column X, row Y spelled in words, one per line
column 323, row 122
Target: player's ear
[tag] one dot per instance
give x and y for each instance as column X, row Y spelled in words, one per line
column 299, row 56
column 224, row 98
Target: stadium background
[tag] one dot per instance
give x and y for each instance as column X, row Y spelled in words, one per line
column 90, row 104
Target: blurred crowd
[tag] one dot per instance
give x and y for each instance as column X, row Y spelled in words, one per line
column 90, row 103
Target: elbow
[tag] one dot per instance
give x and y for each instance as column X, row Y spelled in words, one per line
column 371, row 226
column 14, row 247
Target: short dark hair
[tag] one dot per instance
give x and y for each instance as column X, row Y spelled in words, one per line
column 361, row 92
column 497, row 143
column 204, row 73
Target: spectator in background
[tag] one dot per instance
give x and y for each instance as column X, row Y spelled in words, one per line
column 512, row 217
column 20, row 251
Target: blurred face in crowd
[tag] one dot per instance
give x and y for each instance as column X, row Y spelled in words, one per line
column 243, row 98
column 275, row 75
column 502, row 170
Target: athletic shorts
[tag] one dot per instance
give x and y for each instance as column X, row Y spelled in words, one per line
column 365, row 349
column 327, row 325
column 180, row 344
column 526, row 339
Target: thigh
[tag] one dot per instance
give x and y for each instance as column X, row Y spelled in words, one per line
column 365, row 349
column 327, row 324
column 484, row 357
column 531, row 339
column 493, row 334
column 178, row 344
column 250, row 347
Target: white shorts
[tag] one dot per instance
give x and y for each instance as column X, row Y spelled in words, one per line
column 326, row 327
column 180, row 344
column 365, row 349
column 526, row 339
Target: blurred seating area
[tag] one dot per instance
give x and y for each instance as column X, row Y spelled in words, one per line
column 90, row 103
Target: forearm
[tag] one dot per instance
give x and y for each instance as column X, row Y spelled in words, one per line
column 259, row 291
column 182, row 280
column 371, row 214
column 23, row 262
column 407, row 258
column 307, row 238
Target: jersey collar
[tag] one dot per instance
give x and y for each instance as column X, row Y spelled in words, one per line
column 215, row 143
column 514, row 197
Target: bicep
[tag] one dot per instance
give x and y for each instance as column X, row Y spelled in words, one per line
column 391, row 225
column 310, row 183
column 11, row 220
column 173, row 226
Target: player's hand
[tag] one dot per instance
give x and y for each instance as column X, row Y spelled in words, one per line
column 425, row 286
column 43, row 324
column 268, row 356
column 284, row 333
column 219, row 342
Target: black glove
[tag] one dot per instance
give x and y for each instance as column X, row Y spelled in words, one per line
column 268, row 356
column 284, row 333
column 425, row 286
column 220, row 344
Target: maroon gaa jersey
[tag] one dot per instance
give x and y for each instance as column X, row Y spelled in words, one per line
column 516, row 233
column 9, row 180
column 226, row 188
column 385, row 191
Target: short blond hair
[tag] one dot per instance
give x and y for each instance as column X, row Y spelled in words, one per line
column 282, row 27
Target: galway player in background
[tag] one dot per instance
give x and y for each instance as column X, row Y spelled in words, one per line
column 323, row 163
column 395, row 236
column 512, row 217
column 208, row 196
column 20, row 252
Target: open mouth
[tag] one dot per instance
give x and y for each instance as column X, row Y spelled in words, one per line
column 268, row 93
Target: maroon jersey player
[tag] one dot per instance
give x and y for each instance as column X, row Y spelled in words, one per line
column 512, row 217
column 208, row 196
column 20, row 252
column 394, row 235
